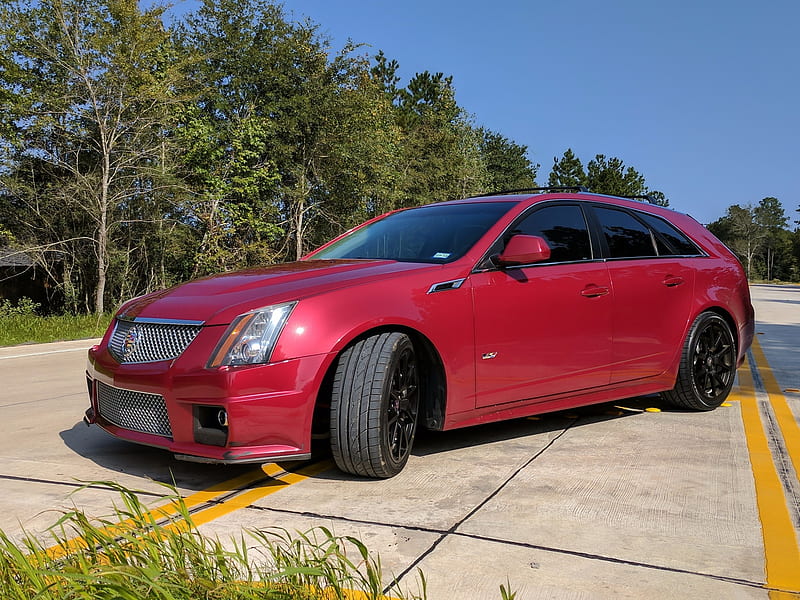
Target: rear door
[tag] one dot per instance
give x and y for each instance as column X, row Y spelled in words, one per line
column 653, row 281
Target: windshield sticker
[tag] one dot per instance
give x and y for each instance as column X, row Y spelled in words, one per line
column 442, row 255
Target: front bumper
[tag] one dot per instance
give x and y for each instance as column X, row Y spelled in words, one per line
column 268, row 409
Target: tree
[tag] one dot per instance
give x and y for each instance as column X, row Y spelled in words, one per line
column 771, row 218
column 428, row 117
column 439, row 149
column 506, row 162
column 567, row 171
column 610, row 176
column 87, row 88
column 741, row 232
column 287, row 143
column 240, row 55
column 603, row 176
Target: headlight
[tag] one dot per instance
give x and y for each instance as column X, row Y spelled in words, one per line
column 251, row 337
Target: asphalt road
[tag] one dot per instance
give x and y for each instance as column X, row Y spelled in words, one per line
column 612, row 501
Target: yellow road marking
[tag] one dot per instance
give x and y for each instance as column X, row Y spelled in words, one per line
column 280, row 479
column 162, row 512
column 783, row 414
column 780, row 543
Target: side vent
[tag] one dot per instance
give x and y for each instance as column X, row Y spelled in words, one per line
column 446, row 285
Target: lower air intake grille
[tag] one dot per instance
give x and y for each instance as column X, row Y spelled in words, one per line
column 138, row 411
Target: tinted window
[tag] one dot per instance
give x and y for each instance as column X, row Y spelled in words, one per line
column 626, row 236
column 677, row 242
column 564, row 228
column 437, row 233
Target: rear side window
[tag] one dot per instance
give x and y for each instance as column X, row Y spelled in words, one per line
column 626, row 236
column 564, row 229
column 677, row 243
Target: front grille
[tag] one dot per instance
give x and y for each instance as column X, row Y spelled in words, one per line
column 138, row 411
column 144, row 341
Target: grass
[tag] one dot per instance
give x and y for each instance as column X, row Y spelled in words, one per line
column 29, row 328
column 134, row 555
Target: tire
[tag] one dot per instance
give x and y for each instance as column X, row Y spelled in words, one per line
column 375, row 405
column 708, row 365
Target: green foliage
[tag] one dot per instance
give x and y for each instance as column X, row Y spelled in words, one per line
column 507, row 163
column 22, row 307
column 134, row 156
column 88, row 88
column 20, row 325
column 759, row 237
column 603, row 176
column 506, row 593
column 771, row 218
column 136, row 554
column 610, row 176
column 567, row 172
column 440, row 154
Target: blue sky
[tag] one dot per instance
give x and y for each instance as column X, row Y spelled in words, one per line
column 702, row 97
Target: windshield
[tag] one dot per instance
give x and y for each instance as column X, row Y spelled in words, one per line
column 431, row 234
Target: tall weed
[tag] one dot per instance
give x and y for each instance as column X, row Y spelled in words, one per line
column 137, row 553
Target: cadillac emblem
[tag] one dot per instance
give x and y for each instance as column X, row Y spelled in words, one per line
column 129, row 343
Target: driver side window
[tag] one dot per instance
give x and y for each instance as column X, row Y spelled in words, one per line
column 564, row 229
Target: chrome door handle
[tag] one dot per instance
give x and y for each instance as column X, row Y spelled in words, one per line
column 671, row 281
column 593, row 291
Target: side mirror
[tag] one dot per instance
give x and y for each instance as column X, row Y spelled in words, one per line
column 523, row 250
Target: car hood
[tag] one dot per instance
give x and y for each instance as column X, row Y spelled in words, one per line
column 218, row 299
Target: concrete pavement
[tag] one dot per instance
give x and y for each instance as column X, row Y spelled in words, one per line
column 609, row 501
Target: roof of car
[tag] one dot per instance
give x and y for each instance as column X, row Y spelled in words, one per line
column 547, row 193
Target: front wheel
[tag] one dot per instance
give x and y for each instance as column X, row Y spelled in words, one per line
column 375, row 405
column 708, row 365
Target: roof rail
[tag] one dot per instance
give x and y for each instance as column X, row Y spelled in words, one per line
column 647, row 197
column 563, row 188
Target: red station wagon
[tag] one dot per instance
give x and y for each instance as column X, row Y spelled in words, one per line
column 442, row 316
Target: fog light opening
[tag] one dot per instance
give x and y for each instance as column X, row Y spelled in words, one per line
column 210, row 425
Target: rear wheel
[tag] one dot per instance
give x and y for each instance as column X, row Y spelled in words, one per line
column 708, row 365
column 375, row 405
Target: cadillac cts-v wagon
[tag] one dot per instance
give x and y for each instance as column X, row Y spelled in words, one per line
column 442, row 316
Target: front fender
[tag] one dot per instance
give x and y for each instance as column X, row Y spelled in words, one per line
column 328, row 323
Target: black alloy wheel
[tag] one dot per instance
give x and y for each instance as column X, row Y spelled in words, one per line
column 403, row 406
column 713, row 360
column 708, row 365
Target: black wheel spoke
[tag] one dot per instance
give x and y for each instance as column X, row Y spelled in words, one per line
column 402, row 406
column 713, row 360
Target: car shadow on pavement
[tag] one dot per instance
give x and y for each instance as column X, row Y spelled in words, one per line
column 120, row 456
column 431, row 442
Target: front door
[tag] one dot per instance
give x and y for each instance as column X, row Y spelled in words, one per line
column 544, row 329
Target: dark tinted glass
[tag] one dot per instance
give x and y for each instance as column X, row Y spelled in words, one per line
column 435, row 234
column 626, row 236
column 678, row 243
column 564, row 228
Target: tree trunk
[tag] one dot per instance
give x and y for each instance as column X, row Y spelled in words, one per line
column 102, row 239
column 298, row 224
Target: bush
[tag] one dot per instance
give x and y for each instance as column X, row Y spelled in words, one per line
column 23, row 307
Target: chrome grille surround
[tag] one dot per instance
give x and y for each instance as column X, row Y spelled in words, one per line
column 150, row 340
column 137, row 411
